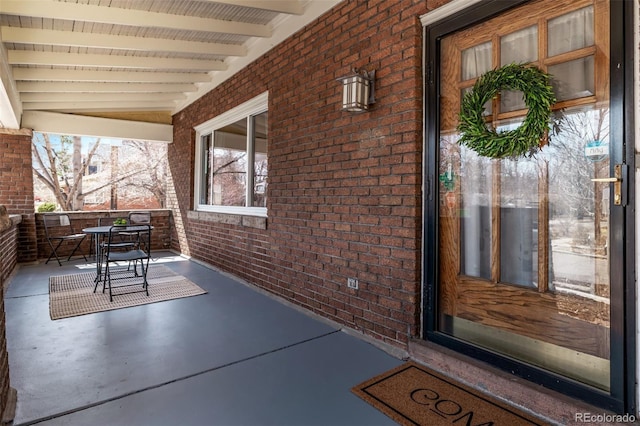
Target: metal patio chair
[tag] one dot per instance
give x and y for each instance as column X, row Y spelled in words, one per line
column 114, row 255
column 58, row 229
column 137, row 218
column 121, row 243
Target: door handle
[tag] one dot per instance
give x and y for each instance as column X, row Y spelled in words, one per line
column 618, row 172
column 609, row 179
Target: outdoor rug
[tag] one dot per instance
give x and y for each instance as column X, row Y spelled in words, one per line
column 72, row 295
column 412, row 394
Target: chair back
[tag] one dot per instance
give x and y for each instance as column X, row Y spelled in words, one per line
column 56, row 224
column 139, row 218
column 141, row 245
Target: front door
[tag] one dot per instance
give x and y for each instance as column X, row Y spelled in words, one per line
column 526, row 246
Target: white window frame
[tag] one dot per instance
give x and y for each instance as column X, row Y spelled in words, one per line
column 255, row 106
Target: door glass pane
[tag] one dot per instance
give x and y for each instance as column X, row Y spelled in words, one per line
column 562, row 323
column 519, row 47
column 573, row 79
column 580, row 208
column 475, row 213
column 519, row 222
column 230, row 164
column 476, row 60
column 571, row 31
column 511, row 100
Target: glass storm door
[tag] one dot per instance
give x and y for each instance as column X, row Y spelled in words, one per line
column 524, row 245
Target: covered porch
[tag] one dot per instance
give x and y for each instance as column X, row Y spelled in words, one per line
column 338, row 253
column 232, row 356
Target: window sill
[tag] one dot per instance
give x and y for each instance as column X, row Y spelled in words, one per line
column 247, row 221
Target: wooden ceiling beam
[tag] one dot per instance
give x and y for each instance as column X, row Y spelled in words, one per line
column 290, row 7
column 138, row 18
column 43, row 74
column 102, row 87
column 28, row 57
column 118, row 42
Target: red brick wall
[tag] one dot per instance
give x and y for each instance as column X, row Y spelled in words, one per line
column 344, row 194
column 16, row 187
column 8, row 263
column 8, row 252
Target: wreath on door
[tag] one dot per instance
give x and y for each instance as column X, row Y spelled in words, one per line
column 526, row 139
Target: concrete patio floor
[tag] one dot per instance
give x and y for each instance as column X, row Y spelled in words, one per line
column 233, row 356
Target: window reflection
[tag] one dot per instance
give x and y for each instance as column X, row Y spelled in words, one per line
column 475, row 178
column 579, row 208
column 519, row 222
column 229, row 164
column 573, row 79
column 260, row 160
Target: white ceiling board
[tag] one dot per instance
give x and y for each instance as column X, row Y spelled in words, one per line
column 114, row 57
column 107, row 41
column 112, row 15
column 68, row 124
column 80, row 87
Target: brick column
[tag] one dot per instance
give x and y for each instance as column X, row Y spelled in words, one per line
column 16, row 194
column 8, row 249
column 16, row 187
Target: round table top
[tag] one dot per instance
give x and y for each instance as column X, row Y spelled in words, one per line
column 105, row 229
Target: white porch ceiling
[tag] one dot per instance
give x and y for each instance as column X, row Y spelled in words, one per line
column 130, row 60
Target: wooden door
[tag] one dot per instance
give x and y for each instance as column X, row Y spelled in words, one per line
column 523, row 244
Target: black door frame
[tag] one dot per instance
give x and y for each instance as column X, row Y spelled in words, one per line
column 622, row 398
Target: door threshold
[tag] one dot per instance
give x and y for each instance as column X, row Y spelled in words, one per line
column 547, row 404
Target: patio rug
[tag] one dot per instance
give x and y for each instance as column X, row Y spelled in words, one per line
column 72, row 295
column 412, row 394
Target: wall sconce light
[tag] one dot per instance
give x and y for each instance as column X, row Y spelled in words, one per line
column 358, row 91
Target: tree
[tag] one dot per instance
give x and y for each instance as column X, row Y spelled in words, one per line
column 62, row 165
column 154, row 162
column 60, row 170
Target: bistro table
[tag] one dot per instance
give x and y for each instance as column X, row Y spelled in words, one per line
column 99, row 232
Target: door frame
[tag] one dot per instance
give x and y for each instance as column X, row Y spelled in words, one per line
column 622, row 398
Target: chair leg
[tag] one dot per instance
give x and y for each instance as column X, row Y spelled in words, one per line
column 92, row 244
column 99, row 272
column 74, row 251
column 144, row 269
column 107, row 280
column 53, row 252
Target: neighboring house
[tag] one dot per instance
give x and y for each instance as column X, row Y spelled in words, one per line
column 527, row 266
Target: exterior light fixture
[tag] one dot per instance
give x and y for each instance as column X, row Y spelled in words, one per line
column 358, row 91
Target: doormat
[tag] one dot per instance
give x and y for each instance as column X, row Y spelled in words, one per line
column 72, row 295
column 412, row 394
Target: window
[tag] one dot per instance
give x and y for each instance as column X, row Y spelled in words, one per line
column 231, row 160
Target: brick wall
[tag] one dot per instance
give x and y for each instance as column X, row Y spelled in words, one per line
column 344, row 194
column 16, row 186
column 8, row 263
column 9, row 250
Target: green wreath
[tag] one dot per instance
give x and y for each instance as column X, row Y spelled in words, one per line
column 523, row 141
